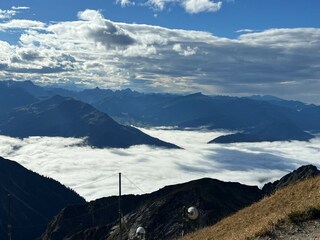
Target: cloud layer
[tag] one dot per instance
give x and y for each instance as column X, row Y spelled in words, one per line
column 94, row 51
column 93, row 172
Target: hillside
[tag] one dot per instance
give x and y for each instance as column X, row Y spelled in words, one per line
column 279, row 214
column 160, row 212
column 271, row 132
column 67, row 117
column 12, row 97
column 34, row 200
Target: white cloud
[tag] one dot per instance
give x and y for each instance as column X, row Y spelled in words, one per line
column 159, row 5
column 190, row 6
column 9, row 13
column 281, row 62
column 21, row 24
column 184, row 52
column 197, row 6
column 93, row 172
column 4, row 14
column 20, row 8
column 91, row 15
column 125, row 3
column 245, row 30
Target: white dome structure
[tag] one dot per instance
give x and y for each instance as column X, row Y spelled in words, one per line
column 140, row 233
column 140, row 230
column 193, row 213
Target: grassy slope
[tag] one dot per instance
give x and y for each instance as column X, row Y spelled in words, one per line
column 262, row 217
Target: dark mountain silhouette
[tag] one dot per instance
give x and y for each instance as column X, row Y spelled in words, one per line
column 34, row 200
column 161, row 212
column 193, row 110
column 66, row 117
column 271, row 120
column 279, row 131
column 248, row 115
column 138, row 109
column 302, row 173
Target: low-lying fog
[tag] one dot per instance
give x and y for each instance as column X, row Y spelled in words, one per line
column 93, row 172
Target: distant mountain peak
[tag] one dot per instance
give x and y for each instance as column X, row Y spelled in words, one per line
column 196, row 94
column 265, row 97
column 68, row 117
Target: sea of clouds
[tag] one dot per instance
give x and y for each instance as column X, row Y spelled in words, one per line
column 93, row 173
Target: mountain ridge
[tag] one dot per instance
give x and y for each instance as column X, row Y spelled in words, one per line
column 67, row 117
column 161, row 212
column 249, row 116
column 34, row 200
column 290, row 213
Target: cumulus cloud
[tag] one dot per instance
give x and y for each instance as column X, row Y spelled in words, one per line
column 190, row 6
column 281, row 62
column 93, row 172
column 197, row 6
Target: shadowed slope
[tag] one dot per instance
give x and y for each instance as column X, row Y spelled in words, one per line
column 262, row 218
column 160, row 212
column 35, row 200
column 66, row 117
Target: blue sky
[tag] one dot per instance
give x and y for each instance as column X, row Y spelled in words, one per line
column 230, row 47
column 233, row 15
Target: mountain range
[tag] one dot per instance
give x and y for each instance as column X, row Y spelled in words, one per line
column 253, row 119
column 161, row 213
column 66, row 117
column 42, row 205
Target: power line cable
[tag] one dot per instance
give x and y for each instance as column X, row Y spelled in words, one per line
column 88, row 183
column 134, row 184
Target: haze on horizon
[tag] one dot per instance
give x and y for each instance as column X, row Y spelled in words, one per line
column 215, row 47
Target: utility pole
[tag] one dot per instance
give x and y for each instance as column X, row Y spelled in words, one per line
column 120, row 215
column 9, row 226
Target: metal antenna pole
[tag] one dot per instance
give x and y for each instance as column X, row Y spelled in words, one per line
column 9, row 218
column 120, row 216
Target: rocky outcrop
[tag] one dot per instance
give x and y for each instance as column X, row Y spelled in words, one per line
column 161, row 212
column 297, row 175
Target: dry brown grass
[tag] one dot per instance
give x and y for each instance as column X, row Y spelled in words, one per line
column 261, row 217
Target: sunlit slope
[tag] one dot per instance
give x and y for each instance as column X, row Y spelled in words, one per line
column 299, row 202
